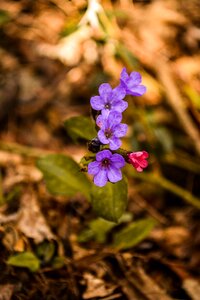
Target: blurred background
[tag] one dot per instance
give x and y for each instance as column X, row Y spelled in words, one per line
column 53, row 57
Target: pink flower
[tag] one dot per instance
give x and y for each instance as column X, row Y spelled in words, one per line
column 138, row 160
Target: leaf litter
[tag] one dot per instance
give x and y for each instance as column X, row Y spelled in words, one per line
column 45, row 79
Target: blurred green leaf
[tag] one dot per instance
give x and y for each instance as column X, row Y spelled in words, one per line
column 58, row 262
column 45, row 251
column 193, row 95
column 69, row 28
column 133, row 234
column 63, row 176
column 164, row 138
column 80, row 127
column 25, row 260
column 98, row 230
column 109, row 202
column 4, row 17
column 127, row 56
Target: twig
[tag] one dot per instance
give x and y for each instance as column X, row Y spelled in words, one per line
column 176, row 102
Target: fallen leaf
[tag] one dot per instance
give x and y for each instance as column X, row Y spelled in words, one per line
column 31, row 221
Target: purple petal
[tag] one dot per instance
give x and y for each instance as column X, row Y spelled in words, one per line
column 119, row 106
column 115, row 143
column 100, row 179
column 100, row 121
column 118, row 93
column 137, row 90
column 103, row 154
column 135, row 78
column 117, row 161
column 114, row 174
column 114, row 118
column 97, row 102
column 120, row 130
column 94, row 167
column 103, row 139
column 105, row 91
column 124, row 75
column 105, row 113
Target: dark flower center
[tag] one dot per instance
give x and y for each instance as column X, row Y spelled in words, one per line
column 105, row 162
column 107, row 105
column 108, row 133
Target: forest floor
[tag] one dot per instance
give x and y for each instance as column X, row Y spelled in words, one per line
column 48, row 76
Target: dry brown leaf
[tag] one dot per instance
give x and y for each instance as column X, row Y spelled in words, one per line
column 6, row 291
column 192, row 287
column 96, row 287
column 31, row 220
column 149, row 287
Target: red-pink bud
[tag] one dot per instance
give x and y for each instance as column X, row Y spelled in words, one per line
column 138, row 160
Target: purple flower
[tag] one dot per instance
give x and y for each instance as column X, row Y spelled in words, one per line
column 131, row 83
column 111, row 129
column 109, row 99
column 106, row 167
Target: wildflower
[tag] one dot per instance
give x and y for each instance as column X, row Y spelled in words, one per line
column 131, row 83
column 109, row 99
column 106, row 167
column 111, row 129
column 138, row 160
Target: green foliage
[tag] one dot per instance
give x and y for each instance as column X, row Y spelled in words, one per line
column 164, row 138
column 109, row 202
column 63, row 176
column 25, row 260
column 4, row 17
column 133, row 234
column 70, row 28
column 127, row 56
column 14, row 193
column 97, row 230
column 80, row 127
column 193, row 96
column 45, row 251
column 58, row 262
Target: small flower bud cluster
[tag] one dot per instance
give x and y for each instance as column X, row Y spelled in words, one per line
column 110, row 104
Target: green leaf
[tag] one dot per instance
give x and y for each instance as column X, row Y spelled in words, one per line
column 164, row 138
column 133, row 234
column 63, row 176
column 98, row 229
column 4, row 17
column 80, row 127
column 58, row 262
column 127, row 56
column 109, row 202
column 45, row 251
column 193, row 95
column 25, row 260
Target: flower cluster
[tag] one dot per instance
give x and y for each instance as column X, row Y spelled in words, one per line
column 110, row 105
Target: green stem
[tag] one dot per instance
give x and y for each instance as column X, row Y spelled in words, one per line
column 167, row 185
column 183, row 163
column 22, row 150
